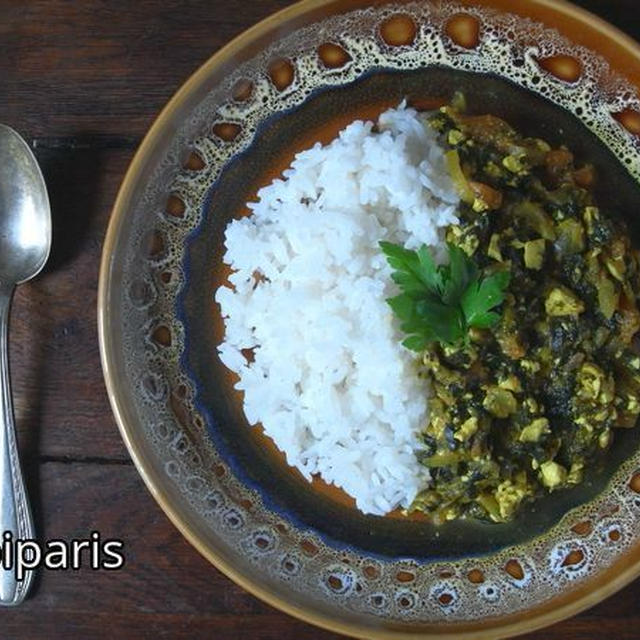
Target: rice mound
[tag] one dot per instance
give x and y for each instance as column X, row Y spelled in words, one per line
column 330, row 382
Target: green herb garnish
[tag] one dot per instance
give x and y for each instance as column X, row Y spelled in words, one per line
column 440, row 303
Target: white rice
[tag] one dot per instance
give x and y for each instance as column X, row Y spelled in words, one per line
column 331, row 383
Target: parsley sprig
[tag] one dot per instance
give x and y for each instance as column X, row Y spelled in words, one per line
column 440, row 303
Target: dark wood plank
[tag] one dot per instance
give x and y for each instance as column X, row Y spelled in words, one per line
column 107, row 66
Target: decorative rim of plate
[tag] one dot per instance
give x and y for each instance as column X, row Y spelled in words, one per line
column 620, row 571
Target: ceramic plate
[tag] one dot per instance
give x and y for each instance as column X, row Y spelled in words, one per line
column 297, row 78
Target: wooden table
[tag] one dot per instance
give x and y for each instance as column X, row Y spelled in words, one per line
column 83, row 81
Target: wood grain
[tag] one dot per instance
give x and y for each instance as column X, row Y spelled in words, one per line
column 83, row 81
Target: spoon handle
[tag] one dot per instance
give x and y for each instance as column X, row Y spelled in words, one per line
column 15, row 513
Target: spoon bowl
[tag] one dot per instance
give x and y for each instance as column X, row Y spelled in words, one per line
column 25, row 242
column 25, row 220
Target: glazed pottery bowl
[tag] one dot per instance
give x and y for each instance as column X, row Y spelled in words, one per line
column 295, row 79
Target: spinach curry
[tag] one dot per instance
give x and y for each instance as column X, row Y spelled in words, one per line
column 520, row 408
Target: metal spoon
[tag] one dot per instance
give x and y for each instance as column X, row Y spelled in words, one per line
column 25, row 241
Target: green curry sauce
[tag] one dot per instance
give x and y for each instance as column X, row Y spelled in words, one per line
column 520, row 409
